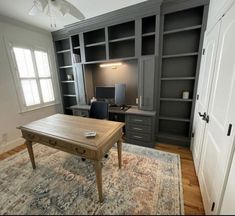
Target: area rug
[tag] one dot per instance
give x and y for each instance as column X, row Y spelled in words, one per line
column 148, row 183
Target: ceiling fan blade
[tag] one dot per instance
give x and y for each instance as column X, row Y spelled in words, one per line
column 66, row 7
column 43, row 3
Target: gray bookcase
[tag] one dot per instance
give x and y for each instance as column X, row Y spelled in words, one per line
column 65, row 68
column 181, row 36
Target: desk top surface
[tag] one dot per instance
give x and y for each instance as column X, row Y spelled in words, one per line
column 72, row 129
column 132, row 111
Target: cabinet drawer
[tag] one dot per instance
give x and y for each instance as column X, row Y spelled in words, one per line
column 83, row 113
column 139, row 128
column 137, row 119
column 138, row 136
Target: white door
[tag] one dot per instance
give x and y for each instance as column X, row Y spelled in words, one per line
column 204, row 89
column 228, row 207
column 217, row 145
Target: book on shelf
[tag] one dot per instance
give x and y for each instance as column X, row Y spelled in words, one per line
column 76, row 58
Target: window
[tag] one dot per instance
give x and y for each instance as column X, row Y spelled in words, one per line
column 34, row 77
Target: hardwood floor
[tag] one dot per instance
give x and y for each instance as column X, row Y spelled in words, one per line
column 192, row 196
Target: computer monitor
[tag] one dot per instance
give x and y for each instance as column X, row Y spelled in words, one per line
column 104, row 93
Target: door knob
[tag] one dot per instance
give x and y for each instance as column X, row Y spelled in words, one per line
column 202, row 115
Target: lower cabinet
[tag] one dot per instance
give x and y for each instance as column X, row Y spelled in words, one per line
column 140, row 130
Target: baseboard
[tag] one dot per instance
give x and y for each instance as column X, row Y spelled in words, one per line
column 11, row 145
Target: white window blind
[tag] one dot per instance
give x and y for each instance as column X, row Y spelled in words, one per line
column 34, row 76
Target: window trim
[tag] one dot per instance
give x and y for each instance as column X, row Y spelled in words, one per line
column 17, row 79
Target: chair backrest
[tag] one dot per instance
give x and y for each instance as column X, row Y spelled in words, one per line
column 99, row 110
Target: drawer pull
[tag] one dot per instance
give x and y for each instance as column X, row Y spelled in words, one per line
column 138, row 137
column 138, row 120
column 52, row 142
column 79, row 151
column 139, row 129
column 31, row 136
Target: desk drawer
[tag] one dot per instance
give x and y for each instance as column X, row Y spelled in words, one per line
column 82, row 113
column 139, row 128
column 137, row 119
column 138, row 136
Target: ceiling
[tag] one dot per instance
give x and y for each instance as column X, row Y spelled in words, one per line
column 90, row 8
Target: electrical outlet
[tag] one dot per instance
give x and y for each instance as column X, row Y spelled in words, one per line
column 137, row 101
column 4, row 138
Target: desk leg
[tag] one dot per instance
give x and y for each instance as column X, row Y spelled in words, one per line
column 119, row 148
column 98, row 172
column 30, row 150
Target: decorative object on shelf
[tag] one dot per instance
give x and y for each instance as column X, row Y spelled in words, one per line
column 70, row 77
column 93, row 99
column 54, row 7
column 76, row 58
column 185, row 95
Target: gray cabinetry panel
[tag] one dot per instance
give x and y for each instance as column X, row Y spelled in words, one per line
column 146, row 82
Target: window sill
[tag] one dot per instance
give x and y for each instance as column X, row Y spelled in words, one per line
column 39, row 107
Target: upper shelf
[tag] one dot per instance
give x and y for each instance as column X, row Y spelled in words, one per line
column 182, row 29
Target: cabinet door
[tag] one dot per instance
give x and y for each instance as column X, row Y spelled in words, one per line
column 80, row 87
column 146, row 83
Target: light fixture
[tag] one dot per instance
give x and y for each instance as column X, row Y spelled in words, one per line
column 111, row 64
column 52, row 7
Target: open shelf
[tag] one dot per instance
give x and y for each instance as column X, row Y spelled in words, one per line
column 180, row 55
column 182, row 29
column 95, row 44
column 174, row 119
column 148, row 34
column 64, row 59
column 62, row 45
column 95, row 53
column 95, row 36
column 168, row 137
column 121, row 30
column 122, row 39
column 122, row 49
column 75, row 41
column 181, row 42
column 63, row 51
column 177, row 78
column 175, row 109
column 183, row 19
column 68, row 81
column 148, row 45
column 148, row 24
column 175, row 128
column 69, row 95
column 184, row 67
column 64, row 67
column 174, row 89
column 176, row 99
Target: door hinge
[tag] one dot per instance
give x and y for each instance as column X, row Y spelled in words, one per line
column 193, row 134
column 203, row 52
column 229, row 129
column 213, row 206
column 198, row 97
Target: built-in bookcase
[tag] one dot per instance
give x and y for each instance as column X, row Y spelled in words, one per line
column 66, row 74
column 181, row 38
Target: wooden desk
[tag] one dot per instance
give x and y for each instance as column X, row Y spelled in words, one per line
column 66, row 133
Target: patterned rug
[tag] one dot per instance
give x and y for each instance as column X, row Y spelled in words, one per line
column 148, row 183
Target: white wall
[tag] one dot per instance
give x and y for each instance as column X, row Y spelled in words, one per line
column 10, row 116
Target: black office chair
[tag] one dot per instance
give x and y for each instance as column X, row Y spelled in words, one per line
column 99, row 110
